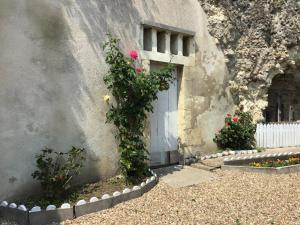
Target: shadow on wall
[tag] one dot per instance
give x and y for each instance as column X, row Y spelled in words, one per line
column 97, row 18
column 51, row 112
column 119, row 17
column 57, row 113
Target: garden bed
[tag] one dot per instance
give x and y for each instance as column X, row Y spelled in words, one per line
column 86, row 191
column 277, row 163
column 45, row 215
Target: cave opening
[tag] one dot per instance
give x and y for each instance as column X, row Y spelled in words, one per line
column 284, row 98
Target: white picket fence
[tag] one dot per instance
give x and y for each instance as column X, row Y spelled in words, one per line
column 276, row 135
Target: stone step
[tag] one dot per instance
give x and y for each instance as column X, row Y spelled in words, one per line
column 204, row 167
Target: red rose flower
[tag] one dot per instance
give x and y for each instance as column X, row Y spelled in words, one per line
column 228, row 115
column 235, row 119
column 133, row 54
column 138, row 69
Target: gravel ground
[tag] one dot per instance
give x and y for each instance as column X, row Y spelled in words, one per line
column 4, row 222
column 253, row 198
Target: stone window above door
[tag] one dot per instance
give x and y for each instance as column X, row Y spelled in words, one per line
column 165, row 43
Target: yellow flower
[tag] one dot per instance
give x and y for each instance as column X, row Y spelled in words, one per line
column 106, row 98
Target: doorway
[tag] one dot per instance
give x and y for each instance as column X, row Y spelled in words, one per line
column 163, row 122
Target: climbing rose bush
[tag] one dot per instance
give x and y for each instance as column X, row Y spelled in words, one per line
column 134, row 90
column 238, row 132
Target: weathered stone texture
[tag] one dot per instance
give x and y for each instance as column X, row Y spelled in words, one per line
column 257, row 38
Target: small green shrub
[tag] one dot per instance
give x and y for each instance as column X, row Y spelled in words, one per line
column 260, row 149
column 238, row 132
column 55, row 170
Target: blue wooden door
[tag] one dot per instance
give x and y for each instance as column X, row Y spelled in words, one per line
column 164, row 124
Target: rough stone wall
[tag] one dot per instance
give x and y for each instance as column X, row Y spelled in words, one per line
column 260, row 40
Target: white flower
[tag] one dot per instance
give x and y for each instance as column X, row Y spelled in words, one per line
column 106, row 98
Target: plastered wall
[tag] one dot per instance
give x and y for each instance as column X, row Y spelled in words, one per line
column 51, row 87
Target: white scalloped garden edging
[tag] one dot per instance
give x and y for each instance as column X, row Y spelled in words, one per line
column 38, row 216
column 261, row 156
column 227, row 153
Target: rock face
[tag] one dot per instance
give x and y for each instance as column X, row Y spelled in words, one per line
column 260, row 40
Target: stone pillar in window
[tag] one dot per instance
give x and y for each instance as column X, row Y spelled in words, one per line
column 279, row 107
column 154, row 39
column 168, row 42
column 180, row 44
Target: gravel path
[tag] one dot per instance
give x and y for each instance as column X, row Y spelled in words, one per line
column 4, row 222
column 254, row 199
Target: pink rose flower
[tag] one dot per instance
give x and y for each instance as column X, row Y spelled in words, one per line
column 133, row 54
column 235, row 119
column 228, row 115
column 138, row 69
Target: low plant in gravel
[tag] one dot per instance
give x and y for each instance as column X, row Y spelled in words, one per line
column 237, row 133
column 277, row 163
column 56, row 170
column 261, row 149
column 238, row 222
column 134, row 90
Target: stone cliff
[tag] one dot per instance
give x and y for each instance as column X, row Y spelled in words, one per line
column 260, row 39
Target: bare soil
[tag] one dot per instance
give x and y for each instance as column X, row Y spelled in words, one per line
column 85, row 192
